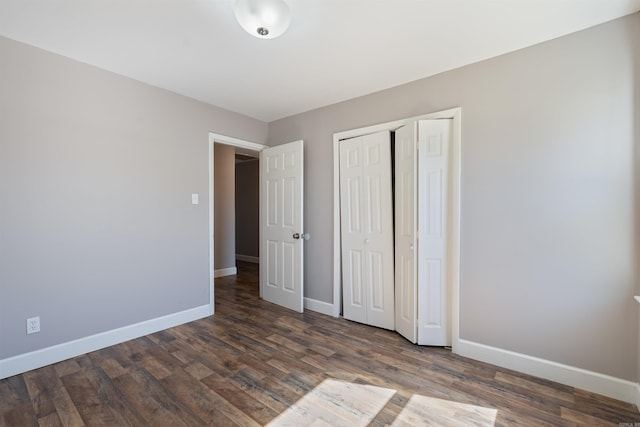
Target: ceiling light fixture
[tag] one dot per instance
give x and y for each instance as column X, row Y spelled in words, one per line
column 265, row 19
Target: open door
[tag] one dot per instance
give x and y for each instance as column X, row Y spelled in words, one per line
column 281, row 225
column 406, row 248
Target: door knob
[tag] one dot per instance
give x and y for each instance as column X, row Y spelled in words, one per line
column 306, row 236
column 296, row 236
column 366, row 241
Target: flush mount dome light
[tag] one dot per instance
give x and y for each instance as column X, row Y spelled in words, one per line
column 265, row 19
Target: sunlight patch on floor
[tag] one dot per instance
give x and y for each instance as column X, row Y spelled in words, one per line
column 429, row 411
column 336, row 403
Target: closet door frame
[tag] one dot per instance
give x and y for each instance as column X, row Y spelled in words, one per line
column 455, row 114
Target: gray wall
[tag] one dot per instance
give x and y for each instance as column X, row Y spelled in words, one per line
column 97, row 229
column 248, row 208
column 224, row 207
column 549, row 251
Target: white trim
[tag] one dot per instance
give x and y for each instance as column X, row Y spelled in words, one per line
column 455, row 214
column 261, row 229
column 456, row 115
column 211, row 230
column 230, row 271
column 234, row 142
column 337, row 279
column 318, row 306
column 46, row 356
column 638, row 396
column 248, row 258
column 606, row 385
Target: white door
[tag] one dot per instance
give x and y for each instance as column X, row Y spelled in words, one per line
column 406, row 291
column 433, row 181
column 281, row 227
column 367, row 229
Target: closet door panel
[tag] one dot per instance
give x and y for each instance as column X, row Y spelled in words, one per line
column 352, row 231
column 367, row 229
column 405, row 232
column 433, row 161
column 378, row 239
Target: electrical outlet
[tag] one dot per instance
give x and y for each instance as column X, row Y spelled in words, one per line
column 33, row 325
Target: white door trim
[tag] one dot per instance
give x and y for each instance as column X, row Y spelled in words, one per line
column 456, row 143
column 245, row 146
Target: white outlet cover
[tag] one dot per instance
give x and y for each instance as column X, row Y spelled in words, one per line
column 33, row 325
column 194, row 199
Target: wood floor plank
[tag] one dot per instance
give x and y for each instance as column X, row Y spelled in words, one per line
column 22, row 415
column 206, row 402
column 254, row 361
column 168, row 400
column 40, row 392
column 51, row 420
column 62, row 401
column 112, row 368
column 581, row 418
column 142, row 399
column 67, row 367
column 122, row 409
column 262, row 413
column 524, row 385
column 92, row 409
column 268, row 390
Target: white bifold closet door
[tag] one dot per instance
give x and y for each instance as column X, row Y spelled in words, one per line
column 406, row 275
column 366, row 205
column 421, row 188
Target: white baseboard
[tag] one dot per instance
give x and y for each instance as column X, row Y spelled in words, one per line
column 606, row 385
column 225, row 272
column 638, row 396
column 318, row 306
column 57, row 353
column 248, row 258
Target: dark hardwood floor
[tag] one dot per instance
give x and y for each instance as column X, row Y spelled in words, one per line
column 254, row 363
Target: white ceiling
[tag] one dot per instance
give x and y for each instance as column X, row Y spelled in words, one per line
column 334, row 49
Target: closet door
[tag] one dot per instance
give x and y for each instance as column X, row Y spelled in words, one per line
column 433, row 270
column 421, row 200
column 406, row 291
column 367, row 230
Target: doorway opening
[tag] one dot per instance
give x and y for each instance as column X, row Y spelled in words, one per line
column 247, row 209
column 241, row 147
